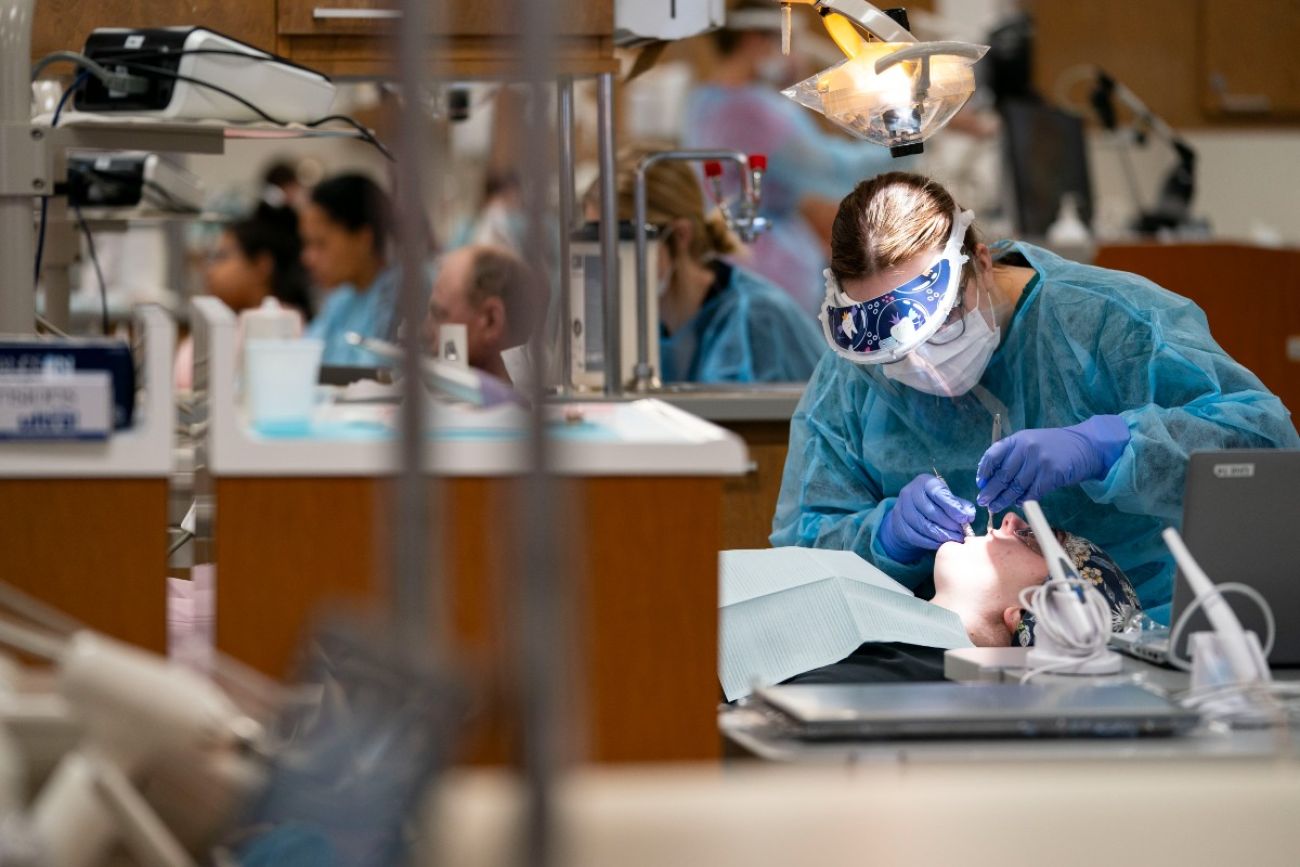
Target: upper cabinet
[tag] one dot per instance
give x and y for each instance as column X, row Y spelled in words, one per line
column 1195, row 63
column 1251, row 59
column 472, row 38
column 63, row 25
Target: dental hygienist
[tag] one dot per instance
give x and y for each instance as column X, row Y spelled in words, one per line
column 1105, row 383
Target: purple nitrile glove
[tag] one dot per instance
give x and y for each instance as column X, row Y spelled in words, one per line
column 925, row 516
column 1032, row 463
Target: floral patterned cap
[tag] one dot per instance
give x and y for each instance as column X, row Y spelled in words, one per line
column 1094, row 566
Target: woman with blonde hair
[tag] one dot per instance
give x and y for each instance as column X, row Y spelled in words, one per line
column 719, row 322
column 1104, row 383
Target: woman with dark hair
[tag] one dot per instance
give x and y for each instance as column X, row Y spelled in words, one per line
column 345, row 232
column 256, row 258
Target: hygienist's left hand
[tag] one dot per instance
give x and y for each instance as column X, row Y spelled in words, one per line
column 1032, row 463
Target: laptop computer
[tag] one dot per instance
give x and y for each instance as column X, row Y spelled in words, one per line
column 1240, row 509
column 959, row 710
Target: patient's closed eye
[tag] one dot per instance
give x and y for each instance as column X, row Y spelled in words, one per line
column 1026, row 535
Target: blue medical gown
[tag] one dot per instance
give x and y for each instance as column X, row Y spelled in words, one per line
column 747, row 330
column 1084, row 341
column 802, row 161
column 370, row 314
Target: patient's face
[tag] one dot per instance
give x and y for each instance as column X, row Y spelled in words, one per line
column 995, row 567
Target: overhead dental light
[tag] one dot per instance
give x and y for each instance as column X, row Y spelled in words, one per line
column 890, row 89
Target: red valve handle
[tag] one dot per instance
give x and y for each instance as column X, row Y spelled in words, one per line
column 758, row 162
column 713, row 169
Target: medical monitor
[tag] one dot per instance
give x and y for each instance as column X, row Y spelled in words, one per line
column 1239, row 521
column 586, row 287
column 1045, row 157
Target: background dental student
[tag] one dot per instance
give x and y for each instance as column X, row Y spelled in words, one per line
column 253, row 259
column 741, row 108
column 345, row 233
column 1105, row 382
column 719, row 322
column 497, row 297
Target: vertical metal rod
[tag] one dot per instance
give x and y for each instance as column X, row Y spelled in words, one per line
column 544, row 600
column 564, row 98
column 17, row 232
column 640, row 208
column 643, row 373
column 609, row 234
column 410, row 587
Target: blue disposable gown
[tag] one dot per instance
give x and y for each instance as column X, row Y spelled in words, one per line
column 370, row 314
column 803, row 161
column 1083, row 341
column 747, row 330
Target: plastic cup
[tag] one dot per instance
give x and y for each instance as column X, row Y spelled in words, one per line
column 281, row 383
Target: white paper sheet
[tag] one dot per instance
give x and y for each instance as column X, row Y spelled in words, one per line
column 785, row 611
column 746, row 574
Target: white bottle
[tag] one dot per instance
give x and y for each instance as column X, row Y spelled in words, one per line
column 271, row 320
column 1068, row 229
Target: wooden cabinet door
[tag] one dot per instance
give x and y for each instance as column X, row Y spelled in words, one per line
column 1256, row 334
column 65, row 24
column 472, row 18
column 1151, row 46
column 1251, row 59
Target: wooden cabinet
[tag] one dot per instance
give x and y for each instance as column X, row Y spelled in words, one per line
column 65, row 24
column 1257, row 334
column 644, row 686
column 1150, row 46
column 749, row 501
column 471, row 39
column 1169, row 52
column 1251, row 59
column 93, row 549
column 573, row 18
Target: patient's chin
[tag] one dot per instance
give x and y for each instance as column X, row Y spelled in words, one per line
column 960, row 558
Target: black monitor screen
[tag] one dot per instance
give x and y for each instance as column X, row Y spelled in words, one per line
column 1047, row 157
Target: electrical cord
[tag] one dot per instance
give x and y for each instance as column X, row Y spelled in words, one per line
column 112, row 80
column 137, row 84
column 1049, row 623
column 1176, row 632
column 99, row 272
column 50, row 326
column 366, row 135
column 45, row 201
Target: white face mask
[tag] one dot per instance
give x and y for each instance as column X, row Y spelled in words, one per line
column 949, row 369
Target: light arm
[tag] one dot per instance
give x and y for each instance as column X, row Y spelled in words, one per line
column 863, row 15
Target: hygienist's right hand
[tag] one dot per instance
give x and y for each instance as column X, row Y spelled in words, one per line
column 925, row 516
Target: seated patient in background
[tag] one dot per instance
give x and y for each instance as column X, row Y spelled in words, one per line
column 980, row 580
column 497, row 296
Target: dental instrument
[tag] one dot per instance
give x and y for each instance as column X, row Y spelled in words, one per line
column 965, row 528
column 997, row 435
